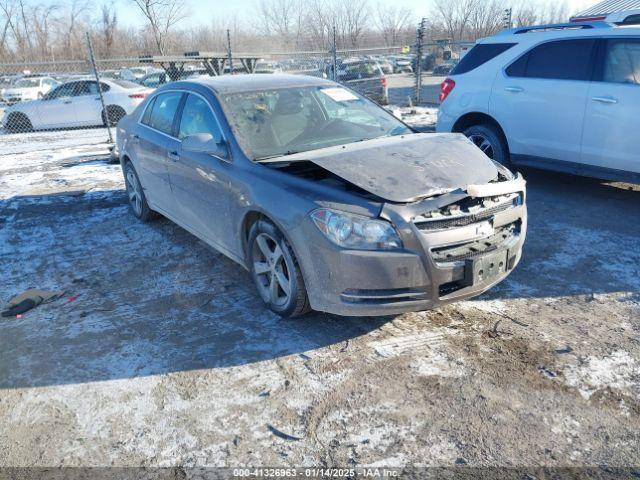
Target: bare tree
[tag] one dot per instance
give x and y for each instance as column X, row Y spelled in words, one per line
column 455, row 16
column 392, row 22
column 162, row 16
column 108, row 25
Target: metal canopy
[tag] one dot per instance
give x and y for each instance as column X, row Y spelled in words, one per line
column 605, row 8
column 213, row 62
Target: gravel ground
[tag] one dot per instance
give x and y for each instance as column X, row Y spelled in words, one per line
column 161, row 353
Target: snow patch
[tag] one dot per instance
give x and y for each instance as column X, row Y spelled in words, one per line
column 618, row 371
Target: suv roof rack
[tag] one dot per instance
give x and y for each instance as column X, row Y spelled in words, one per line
column 556, row 26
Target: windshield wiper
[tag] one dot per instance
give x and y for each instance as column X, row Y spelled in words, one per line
column 288, row 152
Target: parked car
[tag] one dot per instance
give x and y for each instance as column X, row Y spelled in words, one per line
column 76, row 104
column 27, row 88
column 443, row 69
column 402, row 64
column 328, row 200
column 363, row 76
column 559, row 97
column 154, row 80
column 136, row 73
column 267, row 67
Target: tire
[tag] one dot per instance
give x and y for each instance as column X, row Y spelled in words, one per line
column 19, row 123
column 136, row 196
column 274, row 269
column 112, row 114
column 490, row 140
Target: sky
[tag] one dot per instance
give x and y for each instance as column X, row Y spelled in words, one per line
column 202, row 11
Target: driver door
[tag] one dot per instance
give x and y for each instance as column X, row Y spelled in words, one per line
column 56, row 109
column 201, row 183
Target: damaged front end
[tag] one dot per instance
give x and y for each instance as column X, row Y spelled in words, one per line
column 460, row 218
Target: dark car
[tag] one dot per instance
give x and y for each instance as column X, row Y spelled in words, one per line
column 365, row 77
column 442, row 70
column 329, row 201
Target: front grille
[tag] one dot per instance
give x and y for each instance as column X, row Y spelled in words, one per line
column 465, row 212
column 464, row 251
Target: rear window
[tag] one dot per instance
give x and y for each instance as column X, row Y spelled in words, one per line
column 125, row 83
column 560, row 60
column 164, row 110
column 622, row 61
column 479, row 55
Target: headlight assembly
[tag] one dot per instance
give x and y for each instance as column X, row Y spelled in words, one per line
column 352, row 231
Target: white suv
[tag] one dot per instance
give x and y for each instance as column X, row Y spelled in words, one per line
column 561, row 97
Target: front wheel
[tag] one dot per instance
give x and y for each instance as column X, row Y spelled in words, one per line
column 276, row 272
column 490, row 140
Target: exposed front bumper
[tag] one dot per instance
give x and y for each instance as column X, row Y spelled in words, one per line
column 420, row 277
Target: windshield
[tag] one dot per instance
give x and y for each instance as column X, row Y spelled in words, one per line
column 271, row 123
column 27, row 83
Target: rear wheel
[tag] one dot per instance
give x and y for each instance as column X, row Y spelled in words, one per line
column 276, row 272
column 490, row 140
column 112, row 115
column 18, row 122
column 135, row 193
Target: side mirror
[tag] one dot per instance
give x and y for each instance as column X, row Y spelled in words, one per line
column 205, row 143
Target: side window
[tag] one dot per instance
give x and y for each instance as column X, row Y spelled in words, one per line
column 479, row 55
column 65, row 90
column 560, row 60
column 197, row 118
column 146, row 118
column 164, row 111
column 622, row 61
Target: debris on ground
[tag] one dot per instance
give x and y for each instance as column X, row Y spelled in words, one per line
column 28, row 300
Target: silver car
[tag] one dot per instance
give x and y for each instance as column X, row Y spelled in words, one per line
column 329, row 201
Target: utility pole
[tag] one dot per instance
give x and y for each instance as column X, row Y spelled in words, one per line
column 95, row 73
column 334, row 55
column 506, row 18
column 418, row 72
column 229, row 58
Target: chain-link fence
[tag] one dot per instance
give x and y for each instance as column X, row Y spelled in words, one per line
column 71, row 103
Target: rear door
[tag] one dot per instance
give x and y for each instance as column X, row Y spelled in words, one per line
column 610, row 137
column 539, row 100
column 87, row 103
column 201, row 183
column 150, row 147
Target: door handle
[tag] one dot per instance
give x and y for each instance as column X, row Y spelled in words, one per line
column 514, row 89
column 605, row 99
column 135, row 138
column 173, row 156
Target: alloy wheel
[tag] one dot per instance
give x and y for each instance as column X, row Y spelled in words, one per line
column 483, row 144
column 270, row 269
column 134, row 192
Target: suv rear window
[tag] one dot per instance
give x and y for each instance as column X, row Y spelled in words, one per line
column 560, row 60
column 479, row 55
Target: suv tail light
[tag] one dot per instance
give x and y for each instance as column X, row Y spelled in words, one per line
column 446, row 88
column 383, row 81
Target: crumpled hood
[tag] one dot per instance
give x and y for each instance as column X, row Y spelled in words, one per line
column 406, row 168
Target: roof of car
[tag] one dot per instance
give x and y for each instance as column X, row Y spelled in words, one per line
column 243, row 83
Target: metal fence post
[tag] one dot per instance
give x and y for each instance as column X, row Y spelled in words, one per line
column 95, row 72
column 418, row 71
column 229, row 58
column 334, row 55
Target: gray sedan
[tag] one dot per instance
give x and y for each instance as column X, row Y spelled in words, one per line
column 330, row 202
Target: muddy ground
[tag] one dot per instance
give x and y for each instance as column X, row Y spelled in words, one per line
column 161, row 353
